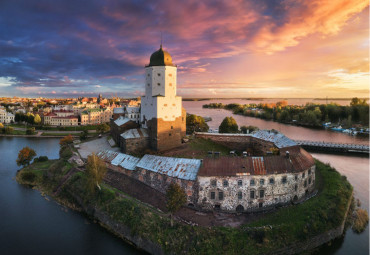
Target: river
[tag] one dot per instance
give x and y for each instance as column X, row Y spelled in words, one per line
column 32, row 225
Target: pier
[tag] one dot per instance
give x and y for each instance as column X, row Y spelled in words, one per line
column 333, row 147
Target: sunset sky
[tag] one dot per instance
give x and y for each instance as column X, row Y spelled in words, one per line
column 255, row 48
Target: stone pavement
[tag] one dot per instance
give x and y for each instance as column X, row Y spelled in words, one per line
column 95, row 145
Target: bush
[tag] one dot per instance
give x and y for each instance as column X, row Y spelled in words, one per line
column 228, row 125
column 65, row 152
column 41, row 159
column 28, row 176
column 361, row 220
column 30, row 131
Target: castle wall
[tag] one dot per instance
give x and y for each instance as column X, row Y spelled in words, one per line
column 134, row 145
column 239, row 142
column 278, row 192
column 159, row 182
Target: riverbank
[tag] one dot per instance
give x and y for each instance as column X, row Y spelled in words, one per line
column 150, row 230
column 314, row 116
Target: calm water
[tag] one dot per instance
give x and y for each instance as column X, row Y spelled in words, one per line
column 32, row 225
column 293, row 132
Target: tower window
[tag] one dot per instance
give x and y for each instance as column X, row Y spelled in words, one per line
column 159, row 74
column 148, row 84
column 170, row 74
column 165, row 105
column 148, row 74
column 169, row 134
column 158, row 84
column 171, row 127
column 170, row 84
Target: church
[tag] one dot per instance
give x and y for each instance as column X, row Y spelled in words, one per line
column 162, row 122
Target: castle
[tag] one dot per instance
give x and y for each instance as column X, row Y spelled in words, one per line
column 232, row 183
column 162, row 119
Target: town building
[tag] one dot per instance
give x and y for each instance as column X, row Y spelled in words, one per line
column 6, row 117
column 96, row 116
column 60, row 118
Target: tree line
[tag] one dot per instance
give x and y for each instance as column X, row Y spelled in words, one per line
column 310, row 114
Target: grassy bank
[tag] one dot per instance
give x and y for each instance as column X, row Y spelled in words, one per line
column 284, row 227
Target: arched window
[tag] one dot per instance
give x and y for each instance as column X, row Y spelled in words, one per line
column 252, row 182
column 262, row 181
column 271, row 181
column 239, row 208
column 240, row 183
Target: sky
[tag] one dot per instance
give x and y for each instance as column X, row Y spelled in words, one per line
column 251, row 48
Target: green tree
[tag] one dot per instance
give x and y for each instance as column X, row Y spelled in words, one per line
column 30, row 131
column 228, row 125
column 37, row 119
column 246, row 129
column 103, row 128
column 195, row 123
column 25, row 156
column 357, row 101
column 8, row 130
column 95, row 171
column 84, row 133
column 175, row 198
column 30, row 118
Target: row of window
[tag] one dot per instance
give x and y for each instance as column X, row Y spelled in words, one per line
column 252, row 194
column 160, row 74
column 225, row 183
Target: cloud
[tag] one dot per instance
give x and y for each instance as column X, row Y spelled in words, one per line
column 64, row 45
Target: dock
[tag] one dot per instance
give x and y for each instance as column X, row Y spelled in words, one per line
column 333, row 147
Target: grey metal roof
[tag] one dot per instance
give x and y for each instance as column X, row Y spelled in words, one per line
column 119, row 159
column 133, row 109
column 126, row 161
column 135, row 133
column 121, row 120
column 280, row 140
column 107, row 155
column 182, row 168
column 118, row 110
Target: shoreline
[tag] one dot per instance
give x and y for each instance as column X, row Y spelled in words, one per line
column 73, row 198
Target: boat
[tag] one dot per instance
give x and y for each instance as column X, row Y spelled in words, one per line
column 338, row 129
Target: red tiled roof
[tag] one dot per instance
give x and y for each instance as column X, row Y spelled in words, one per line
column 298, row 161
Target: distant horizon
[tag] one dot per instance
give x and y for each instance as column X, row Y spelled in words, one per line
column 198, row 98
column 272, row 49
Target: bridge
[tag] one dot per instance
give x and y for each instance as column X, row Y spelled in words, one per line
column 333, row 147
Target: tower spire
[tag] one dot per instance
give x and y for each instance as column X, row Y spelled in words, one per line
column 161, row 39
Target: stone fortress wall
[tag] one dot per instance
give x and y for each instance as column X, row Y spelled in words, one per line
column 231, row 183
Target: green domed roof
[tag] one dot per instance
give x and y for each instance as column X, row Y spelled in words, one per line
column 161, row 58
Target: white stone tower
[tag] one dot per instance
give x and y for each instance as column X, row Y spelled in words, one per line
column 161, row 109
